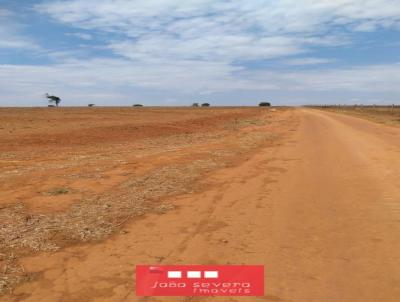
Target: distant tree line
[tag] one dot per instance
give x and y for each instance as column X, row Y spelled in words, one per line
column 202, row 105
column 57, row 100
column 261, row 104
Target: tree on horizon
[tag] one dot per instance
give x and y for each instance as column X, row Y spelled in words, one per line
column 53, row 99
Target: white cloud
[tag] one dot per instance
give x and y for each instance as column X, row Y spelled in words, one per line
column 119, row 81
column 309, row 61
column 83, row 36
column 4, row 12
column 222, row 48
column 10, row 36
column 223, row 30
column 179, row 49
column 272, row 16
column 373, row 78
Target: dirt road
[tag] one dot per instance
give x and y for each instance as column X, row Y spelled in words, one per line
column 320, row 209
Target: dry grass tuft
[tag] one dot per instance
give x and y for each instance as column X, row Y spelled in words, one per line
column 11, row 273
column 57, row 191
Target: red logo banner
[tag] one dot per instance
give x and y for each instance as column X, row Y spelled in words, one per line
column 199, row 280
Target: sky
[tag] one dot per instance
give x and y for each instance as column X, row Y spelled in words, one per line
column 174, row 52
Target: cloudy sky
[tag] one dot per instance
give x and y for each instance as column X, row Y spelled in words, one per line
column 174, row 52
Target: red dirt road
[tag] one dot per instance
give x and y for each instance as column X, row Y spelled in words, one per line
column 321, row 211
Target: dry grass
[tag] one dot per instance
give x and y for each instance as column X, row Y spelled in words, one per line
column 57, row 191
column 23, row 232
column 382, row 114
column 12, row 273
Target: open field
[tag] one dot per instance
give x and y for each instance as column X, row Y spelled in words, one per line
column 73, row 175
column 382, row 114
column 86, row 194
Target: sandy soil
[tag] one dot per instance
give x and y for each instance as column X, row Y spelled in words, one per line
column 316, row 201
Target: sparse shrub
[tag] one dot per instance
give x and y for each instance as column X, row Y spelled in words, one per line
column 195, row 105
column 264, row 104
column 90, row 105
column 205, row 105
column 138, row 105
